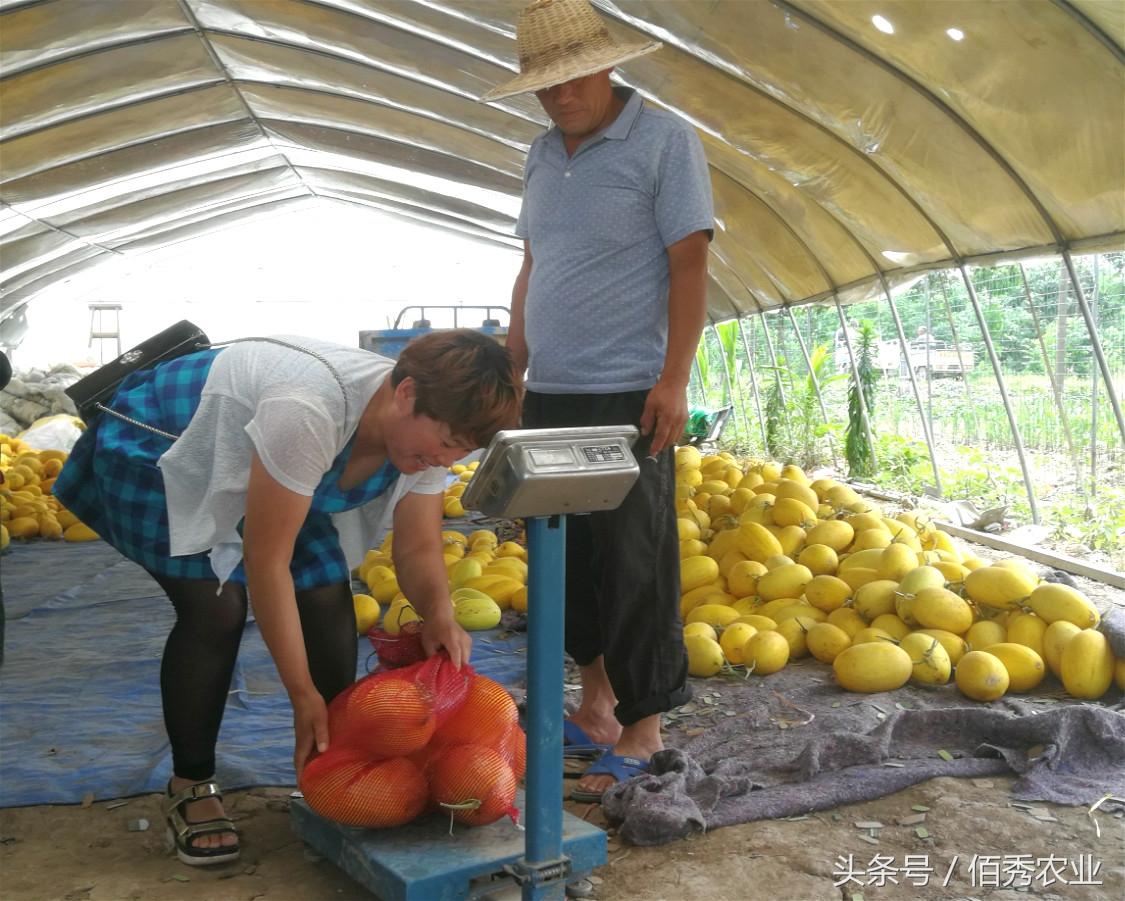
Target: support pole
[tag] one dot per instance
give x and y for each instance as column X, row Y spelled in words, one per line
column 1094, row 396
column 728, row 376
column 812, row 378
column 753, row 383
column 699, row 377
column 738, row 386
column 913, row 382
column 1095, row 342
column 546, row 582
column 1056, row 390
column 929, row 363
column 864, row 413
column 1012, row 424
column 956, row 337
column 777, row 376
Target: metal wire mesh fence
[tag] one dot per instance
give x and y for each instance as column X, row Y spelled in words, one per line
column 1033, row 425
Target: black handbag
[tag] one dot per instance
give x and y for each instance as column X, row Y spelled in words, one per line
column 100, row 385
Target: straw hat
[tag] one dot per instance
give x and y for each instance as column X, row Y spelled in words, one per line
column 559, row 40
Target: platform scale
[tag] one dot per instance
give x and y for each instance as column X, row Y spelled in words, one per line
column 539, row 475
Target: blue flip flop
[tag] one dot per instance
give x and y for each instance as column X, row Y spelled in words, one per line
column 619, row 767
column 577, row 745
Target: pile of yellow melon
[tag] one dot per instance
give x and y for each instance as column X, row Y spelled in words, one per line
column 486, row 577
column 775, row 566
column 27, row 507
column 452, row 498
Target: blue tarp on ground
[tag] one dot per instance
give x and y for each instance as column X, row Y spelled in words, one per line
column 80, row 685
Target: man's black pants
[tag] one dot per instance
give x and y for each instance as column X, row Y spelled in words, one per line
column 623, row 566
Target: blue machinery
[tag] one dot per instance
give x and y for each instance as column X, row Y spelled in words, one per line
column 539, row 475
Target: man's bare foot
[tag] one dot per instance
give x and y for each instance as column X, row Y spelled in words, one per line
column 598, row 783
column 640, row 740
column 602, row 730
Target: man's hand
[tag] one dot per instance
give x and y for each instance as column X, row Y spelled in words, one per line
column 310, row 723
column 665, row 415
column 442, row 632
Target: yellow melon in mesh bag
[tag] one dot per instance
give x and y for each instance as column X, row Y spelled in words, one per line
column 350, row 787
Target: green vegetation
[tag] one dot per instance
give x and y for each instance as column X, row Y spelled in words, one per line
column 860, row 454
column 1076, row 457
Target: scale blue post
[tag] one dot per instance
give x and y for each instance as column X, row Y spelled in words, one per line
column 546, row 540
column 421, row 862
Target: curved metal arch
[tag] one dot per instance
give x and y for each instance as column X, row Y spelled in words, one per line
column 749, row 293
column 101, row 153
column 55, row 228
column 22, row 291
column 906, row 195
column 374, row 63
column 1091, row 26
column 312, row 51
column 338, row 94
column 955, row 117
column 785, row 223
column 369, row 63
column 393, row 22
column 375, row 14
column 793, row 111
column 336, row 129
column 828, row 280
column 84, row 52
column 117, row 107
column 428, row 215
column 80, row 52
column 189, row 14
column 140, row 142
column 249, row 211
column 225, row 76
column 349, row 181
column 186, row 218
column 729, row 267
column 1062, row 246
column 221, row 78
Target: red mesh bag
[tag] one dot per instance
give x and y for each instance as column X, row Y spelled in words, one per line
column 388, row 717
column 348, row 786
column 485, row 717
column 394, row 713
column 514, row 750
column 415, row 734
column 474, row 783
column 398, row 650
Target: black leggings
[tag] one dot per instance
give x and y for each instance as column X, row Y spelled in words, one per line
column 198, row 664
column 623, row 567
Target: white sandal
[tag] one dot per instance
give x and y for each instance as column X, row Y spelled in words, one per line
column 181, row 834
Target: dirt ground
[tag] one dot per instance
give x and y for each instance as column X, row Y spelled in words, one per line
column 962, row 839
column 89, row 854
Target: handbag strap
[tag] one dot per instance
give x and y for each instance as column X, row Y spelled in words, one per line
column 219, row 344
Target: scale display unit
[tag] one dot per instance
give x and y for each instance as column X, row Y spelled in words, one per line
column 541, row 476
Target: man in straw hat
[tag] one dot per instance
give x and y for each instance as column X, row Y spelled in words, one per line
column 607, row 312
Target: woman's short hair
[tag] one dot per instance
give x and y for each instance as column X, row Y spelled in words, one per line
column 465, row 379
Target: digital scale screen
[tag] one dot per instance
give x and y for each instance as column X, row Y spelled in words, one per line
column 608, row 453
column 551, row 456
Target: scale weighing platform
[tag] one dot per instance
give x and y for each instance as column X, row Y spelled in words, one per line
column 539, row 475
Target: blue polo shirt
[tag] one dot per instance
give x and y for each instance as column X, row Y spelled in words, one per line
column 599, row 224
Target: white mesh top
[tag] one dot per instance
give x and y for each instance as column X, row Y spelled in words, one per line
column 288, row 406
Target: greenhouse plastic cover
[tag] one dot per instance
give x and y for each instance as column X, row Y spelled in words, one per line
column 841, row 155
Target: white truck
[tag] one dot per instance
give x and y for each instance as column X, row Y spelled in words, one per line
column 927, row 356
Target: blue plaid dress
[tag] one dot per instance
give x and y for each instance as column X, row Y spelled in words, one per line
column 112, row 483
